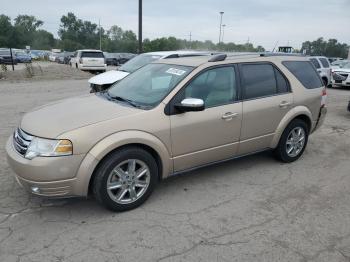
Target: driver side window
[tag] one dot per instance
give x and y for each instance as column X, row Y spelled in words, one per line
column 215, row 87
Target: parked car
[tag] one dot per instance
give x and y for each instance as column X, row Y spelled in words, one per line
column 334, row 59
column 64, row 57
column 338, row 63
column 323, row 68
column 5, row 54
column 341, row 76
column 112, row 59
column 103, row 81
column 166, row 118
column 125, row 57
column 67, row 57
column 52, row 56
column 89, row 60
column 23, row 57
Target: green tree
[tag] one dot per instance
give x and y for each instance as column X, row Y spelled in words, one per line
column 28, row 22
column 330, row 48
column 6, row 30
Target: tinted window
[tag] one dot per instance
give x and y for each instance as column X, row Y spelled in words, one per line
column 315, row 63
column 282, row 84
column 92, row 54
column 258, row 80
column 324, row 62
column 305, row 73
column 215, row 86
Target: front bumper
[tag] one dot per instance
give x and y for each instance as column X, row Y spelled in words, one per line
column 345, row 82
column 45, row 176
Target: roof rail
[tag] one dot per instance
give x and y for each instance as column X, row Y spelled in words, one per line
column 217, row 58
column 281, row 54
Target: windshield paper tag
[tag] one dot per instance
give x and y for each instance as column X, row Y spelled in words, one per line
column 175, row 71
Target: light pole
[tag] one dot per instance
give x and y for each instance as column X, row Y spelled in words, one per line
column 140, row 26
column 221, row 14
column 223, row 32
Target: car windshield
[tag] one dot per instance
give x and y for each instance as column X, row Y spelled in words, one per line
column 138, row 62
column 148, row 86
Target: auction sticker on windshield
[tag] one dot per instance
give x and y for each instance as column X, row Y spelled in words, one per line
column 175, row 71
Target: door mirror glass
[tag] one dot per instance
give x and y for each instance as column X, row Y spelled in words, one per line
column 190, row 104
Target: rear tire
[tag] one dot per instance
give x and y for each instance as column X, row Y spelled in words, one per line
column 118, row 184
column 293, row 141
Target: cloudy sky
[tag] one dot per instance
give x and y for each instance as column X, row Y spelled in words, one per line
column 263, row 22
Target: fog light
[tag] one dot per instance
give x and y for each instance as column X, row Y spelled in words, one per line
column 35, row 190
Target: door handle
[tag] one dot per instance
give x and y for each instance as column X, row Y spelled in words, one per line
column 229, row 115
column 285, row 104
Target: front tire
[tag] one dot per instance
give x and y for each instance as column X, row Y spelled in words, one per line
column 125, row 179
column 293, row 141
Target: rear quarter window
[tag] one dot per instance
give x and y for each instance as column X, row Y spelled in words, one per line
column 92, row 54
column 305, row 73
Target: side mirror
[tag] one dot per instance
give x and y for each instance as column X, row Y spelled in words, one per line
column 190, row 105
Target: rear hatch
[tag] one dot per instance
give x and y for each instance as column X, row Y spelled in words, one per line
column 91, row 58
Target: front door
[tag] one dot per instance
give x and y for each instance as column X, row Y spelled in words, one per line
column 211, row 135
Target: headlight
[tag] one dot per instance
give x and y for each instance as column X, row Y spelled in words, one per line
column 48, row 147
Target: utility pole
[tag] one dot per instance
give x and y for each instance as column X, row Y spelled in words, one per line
column 140, row 26
column 221, row 14
column 190, row 40
column 223, row 32
column 99, row 25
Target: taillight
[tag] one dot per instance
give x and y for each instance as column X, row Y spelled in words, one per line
column 323, row 97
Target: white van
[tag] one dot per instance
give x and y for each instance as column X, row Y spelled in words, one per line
column 89, row 60
column 323, row 68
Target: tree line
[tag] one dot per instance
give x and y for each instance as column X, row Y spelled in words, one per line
column 75, row 33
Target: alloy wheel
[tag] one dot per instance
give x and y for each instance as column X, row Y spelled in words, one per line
column 128, row 181
column 295, row 141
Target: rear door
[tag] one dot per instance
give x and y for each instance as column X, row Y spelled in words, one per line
column 92, row 58
column 266, row 100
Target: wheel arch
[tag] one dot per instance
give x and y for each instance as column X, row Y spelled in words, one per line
column 300, row 112
column 114, row 142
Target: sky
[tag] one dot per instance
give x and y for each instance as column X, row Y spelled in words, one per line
column 261, row 22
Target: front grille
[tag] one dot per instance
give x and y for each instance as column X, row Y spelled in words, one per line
column 21, row 141
column 345, row 75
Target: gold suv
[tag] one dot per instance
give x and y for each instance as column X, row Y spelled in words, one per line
column 166, row 118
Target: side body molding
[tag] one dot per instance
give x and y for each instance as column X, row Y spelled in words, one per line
column 293, row 113
column 114, row 141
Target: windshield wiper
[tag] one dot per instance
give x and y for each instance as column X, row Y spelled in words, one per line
column 122, row 70
column 119, row 98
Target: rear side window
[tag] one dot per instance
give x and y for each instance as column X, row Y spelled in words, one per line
column 324, row 62
column 258, row 80
column 305, row 73
column 261, row 80
column 92, row 54
column 315, row 62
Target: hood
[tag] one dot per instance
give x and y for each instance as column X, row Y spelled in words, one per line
column 108, row 77
column 341, row 70
column 51, row 120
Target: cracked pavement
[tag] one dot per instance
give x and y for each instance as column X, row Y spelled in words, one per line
column 249, row 209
